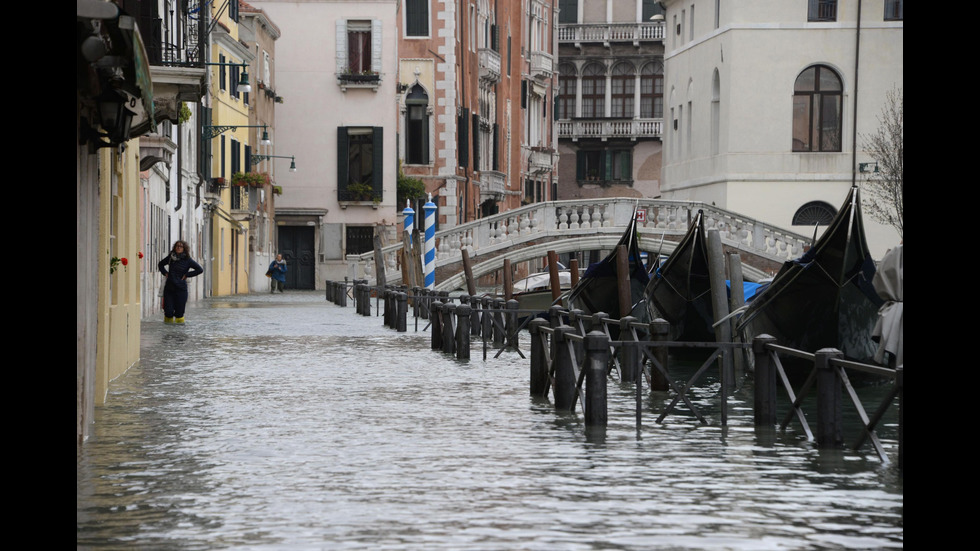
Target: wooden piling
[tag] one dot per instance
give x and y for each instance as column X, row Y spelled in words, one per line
column 468, row 272
column 596, row 359
column 475, row 325
column 564, row 371
column 539, row 364
column 830, row 431
column 736, row 300
column 508, row 281
column 379, row 261
column 463, row 332
column 573, row 268
column 498, row 322
column 623, row 281
column 417, row 258
column 555, row 279
column 719, row 303
column 765, row 382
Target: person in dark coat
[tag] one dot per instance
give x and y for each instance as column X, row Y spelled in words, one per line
column 277, row 271
column 181, row 266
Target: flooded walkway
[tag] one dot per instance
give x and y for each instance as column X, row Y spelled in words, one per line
column 285, row 422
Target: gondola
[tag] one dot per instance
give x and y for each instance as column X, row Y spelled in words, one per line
column 680, row 290
column 597, row 290
column 825, row 298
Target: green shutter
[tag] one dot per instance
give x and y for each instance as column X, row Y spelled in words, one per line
column 606, row 162
column 476, row 141
column 377, row 162
column 342, row 160
column 580, row 165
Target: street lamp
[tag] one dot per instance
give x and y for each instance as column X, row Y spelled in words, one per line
column 243, row 85
column 257, row 158
column 210, row 131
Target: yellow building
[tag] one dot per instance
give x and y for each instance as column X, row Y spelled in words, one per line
column 230, row 149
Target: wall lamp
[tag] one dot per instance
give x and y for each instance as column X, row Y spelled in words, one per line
column 210, row 131
column 243, row 85
column 256, row 159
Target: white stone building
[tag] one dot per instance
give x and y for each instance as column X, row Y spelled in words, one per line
column 767, row 103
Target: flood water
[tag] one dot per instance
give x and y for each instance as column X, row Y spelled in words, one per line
column 286, row 422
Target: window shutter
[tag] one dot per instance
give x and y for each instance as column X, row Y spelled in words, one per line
column 495, row 38
column 476, row 141
column 606, row 163
column 377, row 162
column 222, row 78
column 496, row 159
column 463, row 146
column 376, row 45
column 342, row 159
column 580, row 165
column 222, row 173
column 342, row 48
column 523, row 94
column 248, row 158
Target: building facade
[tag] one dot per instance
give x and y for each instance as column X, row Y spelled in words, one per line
column 609, row 104
column 768, row 101
column 336, row 68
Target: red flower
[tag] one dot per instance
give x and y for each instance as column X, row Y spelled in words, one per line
column 140, row 254
column 124, row 261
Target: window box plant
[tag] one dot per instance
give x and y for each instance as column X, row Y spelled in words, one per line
column 250, row 179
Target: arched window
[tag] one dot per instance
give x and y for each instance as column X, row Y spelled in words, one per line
column 817, row 113
column 566, row 91
column 594, row 91
column 417, row 126
column 623, row 85
column 652, row 91
column 814, row 212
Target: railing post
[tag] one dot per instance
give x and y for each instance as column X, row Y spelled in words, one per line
column 448, row 331
column 830, row 432
column 765, row 382
column 498, row 322
column 539, row 364
column 402, row 324
column 463, row 331
column 627, row 354
column 564, row 371
column 659, row 332
column 342, row 291
column 435, row 325
column 596, row 359
column 475, row 316
column 512, row 333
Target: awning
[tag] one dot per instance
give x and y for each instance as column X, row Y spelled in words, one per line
column 227, row 216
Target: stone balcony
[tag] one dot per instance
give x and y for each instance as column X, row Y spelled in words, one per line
column 542, row 65
column 493, row 185
column 608, row 33
column 540, row 160
column 489, row 65
column 610, row 128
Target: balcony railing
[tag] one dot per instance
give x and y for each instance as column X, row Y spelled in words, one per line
column 604, row 128
column 540, row 160
column 542, row 64
column 489, row 65
column 610, row 32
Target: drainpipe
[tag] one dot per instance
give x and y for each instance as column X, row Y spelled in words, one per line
column 857, row 58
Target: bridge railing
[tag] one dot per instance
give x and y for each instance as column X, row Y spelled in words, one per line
column 580, row 218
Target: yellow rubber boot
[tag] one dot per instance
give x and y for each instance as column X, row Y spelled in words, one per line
column 168, row 320
column 179, row 320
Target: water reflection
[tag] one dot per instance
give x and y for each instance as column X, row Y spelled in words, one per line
column 291, row 423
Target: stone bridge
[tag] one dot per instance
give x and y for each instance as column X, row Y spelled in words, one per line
column 531, row 231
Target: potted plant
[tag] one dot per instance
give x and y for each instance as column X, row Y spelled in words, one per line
column 251, row 179
column 360, row 191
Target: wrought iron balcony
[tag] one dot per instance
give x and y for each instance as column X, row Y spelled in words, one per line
column 542, row 64
column 610, row 128
column 607, row 33
column 489, row 65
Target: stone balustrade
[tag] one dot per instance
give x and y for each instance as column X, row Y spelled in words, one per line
column 584, row 219
column 610, row 32
column 608, row 128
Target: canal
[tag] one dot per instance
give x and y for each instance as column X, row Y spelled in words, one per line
column 286, row 422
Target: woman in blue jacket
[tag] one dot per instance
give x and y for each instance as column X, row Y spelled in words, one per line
column 182, row 266
column 277, row 271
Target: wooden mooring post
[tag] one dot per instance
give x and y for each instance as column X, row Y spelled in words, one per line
column 401, row 325
column 719, row 304
column 539, row 362
column 463, row 331
column 435, row 325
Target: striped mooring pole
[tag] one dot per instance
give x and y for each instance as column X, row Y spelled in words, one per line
column 409, row 218
column 430, row 243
